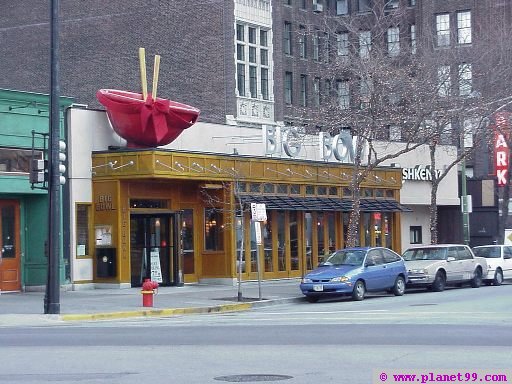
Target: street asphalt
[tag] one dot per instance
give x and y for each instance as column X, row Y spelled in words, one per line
column 27, row 308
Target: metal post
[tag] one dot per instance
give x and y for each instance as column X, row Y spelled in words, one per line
column 257, row 230
column 464, row 197
column 52, row 297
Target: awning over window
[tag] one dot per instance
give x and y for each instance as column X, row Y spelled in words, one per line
column 297, row 203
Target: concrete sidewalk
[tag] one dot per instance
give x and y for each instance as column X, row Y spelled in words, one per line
column 27, row 308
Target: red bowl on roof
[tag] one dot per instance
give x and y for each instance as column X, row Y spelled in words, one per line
column 146, row 123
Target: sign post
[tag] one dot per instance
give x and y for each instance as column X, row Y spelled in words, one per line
column 258, row 214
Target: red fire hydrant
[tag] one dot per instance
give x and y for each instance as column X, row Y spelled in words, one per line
column 148, row 290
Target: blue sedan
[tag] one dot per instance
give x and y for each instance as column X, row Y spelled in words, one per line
column 355, row 271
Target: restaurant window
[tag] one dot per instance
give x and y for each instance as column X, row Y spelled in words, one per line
column 331, row 232
column 214, row 225
column 281, row 241
column 322, row 191
column 367, row 229
column 347, row 192
column 187, row 233
column 294, row 241
column 379, row 193
column 377, row 228
column 282, row 188
column 390, row 194
column 387, row 229
column 268, row 244
column 83, row 222
column 367, row 192
column 255, row 187
column 333, row 191
column 241, row 186
column 322, row 247
column 308, row 223
column 310, row 190
column 268, row 188
column 294, row 189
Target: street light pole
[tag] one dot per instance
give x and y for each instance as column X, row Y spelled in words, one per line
column 52, row 297
column 464, row 195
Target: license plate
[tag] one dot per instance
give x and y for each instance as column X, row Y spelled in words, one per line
column 318, row 287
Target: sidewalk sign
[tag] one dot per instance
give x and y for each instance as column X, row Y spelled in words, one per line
column 156, row 270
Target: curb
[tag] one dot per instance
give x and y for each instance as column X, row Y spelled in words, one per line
column 169, row 312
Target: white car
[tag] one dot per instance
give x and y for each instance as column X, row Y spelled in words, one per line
column 499, row 262
column 435, row 266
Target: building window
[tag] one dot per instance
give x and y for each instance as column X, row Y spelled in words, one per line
column 250, row 41
column 364, row 5
column 443, row 30
column 395, row 133
column 303, row 4
column 415, row 234
column 288, row 2
column 83, row 222
column 316, row 92
column 287, row 44
column 343, row 90
column 240, row 69
column 365, row 44
column 341, row 7
column 393, row 41
column 365, row 92
column 288, row 88
column 327, row 47
column 187, row 231
column 264, row 83
column 316, row 46
column 303, row 46
column 464, row 27
column 413, row 39
column 390, row 5
column 240, row 29
column 253, row 81
column 310, row 190
column 444, row 81
column 213, row 231
column 465, row 79
column 15, row 160
column 342, row 46
column 303, row 90
column 412, row 3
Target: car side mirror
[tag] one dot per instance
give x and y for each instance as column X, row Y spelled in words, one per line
column 450, row 258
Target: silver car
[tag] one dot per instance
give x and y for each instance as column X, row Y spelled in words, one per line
column 435, row 266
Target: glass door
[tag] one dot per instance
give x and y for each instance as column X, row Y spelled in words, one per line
column 153, row 254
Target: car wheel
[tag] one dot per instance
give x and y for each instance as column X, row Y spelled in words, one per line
column 359, row 291
column 439, row 282
column 498, row 277
column 476, row 282
column 312, row 299
column 399, row 287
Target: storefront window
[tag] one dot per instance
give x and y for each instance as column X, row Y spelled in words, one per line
column 281, row 241
column 83, row 212
column 345, row 220
column 187, row 231
column 253, row 250
column 366, row 222
column 320, row 235
column 388, row 234
column 308, row 217
column 213, row 234
column 294, row 241
column 377, row 228
column 268, row 244
column 331, row 232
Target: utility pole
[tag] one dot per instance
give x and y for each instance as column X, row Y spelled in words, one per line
column 464, row 197
column 52, row 297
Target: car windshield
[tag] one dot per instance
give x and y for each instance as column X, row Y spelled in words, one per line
column 346, row 257
column 425, row 254
column 488, row 252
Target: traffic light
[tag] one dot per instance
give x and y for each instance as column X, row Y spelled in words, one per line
column 38, row 171
column 62, row 160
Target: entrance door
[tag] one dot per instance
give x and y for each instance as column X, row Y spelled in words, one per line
column 155, row 249
column 9, row 246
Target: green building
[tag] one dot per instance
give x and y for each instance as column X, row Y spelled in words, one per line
column 23, row 210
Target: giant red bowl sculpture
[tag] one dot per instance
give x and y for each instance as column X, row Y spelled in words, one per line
column 146, row 123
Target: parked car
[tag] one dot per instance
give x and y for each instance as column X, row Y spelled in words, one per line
column 435, row 266
column 499, row 262
column 355, row 271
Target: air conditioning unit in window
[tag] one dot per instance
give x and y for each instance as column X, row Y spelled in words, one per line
column 317, row 8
